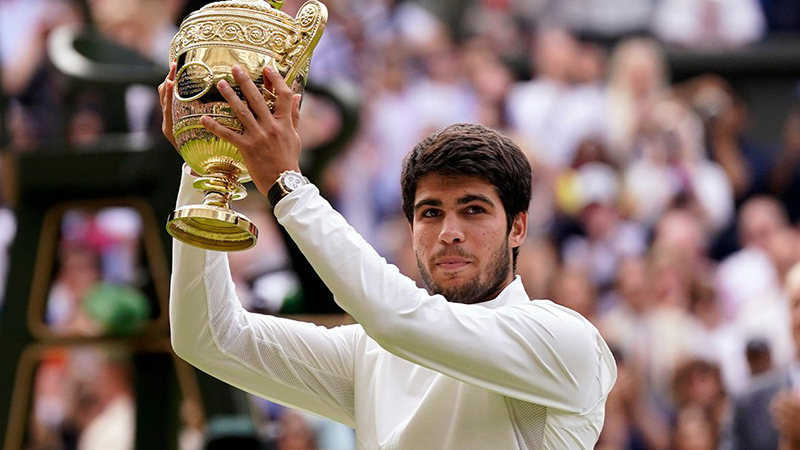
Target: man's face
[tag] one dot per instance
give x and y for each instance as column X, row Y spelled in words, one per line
column 461, row 239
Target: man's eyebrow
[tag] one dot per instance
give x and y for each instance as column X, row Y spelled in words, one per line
column 427, row 202
column 475, row 197
column 461, row 201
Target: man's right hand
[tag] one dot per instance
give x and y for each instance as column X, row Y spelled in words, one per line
column 165, row 90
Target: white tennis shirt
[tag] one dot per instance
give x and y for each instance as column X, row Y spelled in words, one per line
column 417, row 372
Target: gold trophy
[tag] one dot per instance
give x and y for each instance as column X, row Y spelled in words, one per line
column 210, row 41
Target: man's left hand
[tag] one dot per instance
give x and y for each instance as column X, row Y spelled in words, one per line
column 269, row 143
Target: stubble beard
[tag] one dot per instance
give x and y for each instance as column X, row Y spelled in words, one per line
column 476, row 290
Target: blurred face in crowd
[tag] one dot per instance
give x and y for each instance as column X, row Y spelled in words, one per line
column 80, row 270
column 693, row 431
column 632, row 283
column 554, row 55
column 759, row 219
column 783, row 248
column 575, row 290
column 461, row 237
column 638, row 66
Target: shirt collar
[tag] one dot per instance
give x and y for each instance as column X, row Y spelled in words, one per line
column 513, row 293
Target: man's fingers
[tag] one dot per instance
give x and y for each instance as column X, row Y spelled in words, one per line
column 253, row 95
column 283, row 102
column 165, row 91
column 168, row 82
column 296, row 110
column 221, row 131
column 240, row 108
column 172, row 69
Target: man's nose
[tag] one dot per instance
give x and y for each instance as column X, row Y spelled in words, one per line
column 451, row 232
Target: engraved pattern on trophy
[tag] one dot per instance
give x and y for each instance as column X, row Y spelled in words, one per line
column 210, row 41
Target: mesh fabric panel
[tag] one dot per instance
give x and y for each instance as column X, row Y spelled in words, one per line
column 529, row 421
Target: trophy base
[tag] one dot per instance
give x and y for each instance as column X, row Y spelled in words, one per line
column 212, row 228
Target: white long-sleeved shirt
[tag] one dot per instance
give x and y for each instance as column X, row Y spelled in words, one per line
column 417, row 372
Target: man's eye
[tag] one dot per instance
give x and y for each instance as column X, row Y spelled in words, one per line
column 430, row 213
column 474, row 209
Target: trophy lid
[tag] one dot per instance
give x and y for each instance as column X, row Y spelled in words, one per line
column 254, row 25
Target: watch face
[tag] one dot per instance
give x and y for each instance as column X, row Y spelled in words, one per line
column 292, row 181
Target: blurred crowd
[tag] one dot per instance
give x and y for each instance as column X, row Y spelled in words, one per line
column 657, row 214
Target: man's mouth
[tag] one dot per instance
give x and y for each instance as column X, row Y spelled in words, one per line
column 451, row 263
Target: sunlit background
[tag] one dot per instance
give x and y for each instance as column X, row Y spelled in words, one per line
column 665, row 141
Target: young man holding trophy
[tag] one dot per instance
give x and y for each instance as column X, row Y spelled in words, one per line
column 468, row 363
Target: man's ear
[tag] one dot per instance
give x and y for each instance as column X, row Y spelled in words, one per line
column 519, row 230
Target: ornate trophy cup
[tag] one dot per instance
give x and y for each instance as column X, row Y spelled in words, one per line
column 252, row 34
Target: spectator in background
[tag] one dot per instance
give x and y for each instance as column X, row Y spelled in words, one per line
column 718, row 340
column 750, row 285
column 295, row 432
column 709, row 24
column 749, row 274
column 674, row 171
column 25, row 78
column 637, row 79
column 701, row 405
column 491, row 80
column 574, row 289
column 694, row 430
column 626, row 319
column 634, row 420
column 114, row 425
column 147, row 27
column 339, row 53
column 670, row 333
column 766, row 416
column 442, row 95
column 726, row 122
column 504, row 27
column 386, row 133
column 79, row 272
column 607, row 237
column 784, row 250
column 550, row 113
column 538, row 263
column 589, row 67
column 437, row 96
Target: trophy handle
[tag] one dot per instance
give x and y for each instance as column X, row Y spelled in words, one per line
column 310, row 23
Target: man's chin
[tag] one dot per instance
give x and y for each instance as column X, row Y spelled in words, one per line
column 463, row 292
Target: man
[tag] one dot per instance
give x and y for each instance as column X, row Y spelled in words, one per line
column 470, row 363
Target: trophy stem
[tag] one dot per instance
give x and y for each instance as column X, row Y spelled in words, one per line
column 218, row 199
column 220, row 189
column 214, row 225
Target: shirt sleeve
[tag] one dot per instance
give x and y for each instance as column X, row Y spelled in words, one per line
column 535, row 351
column 293, row 363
